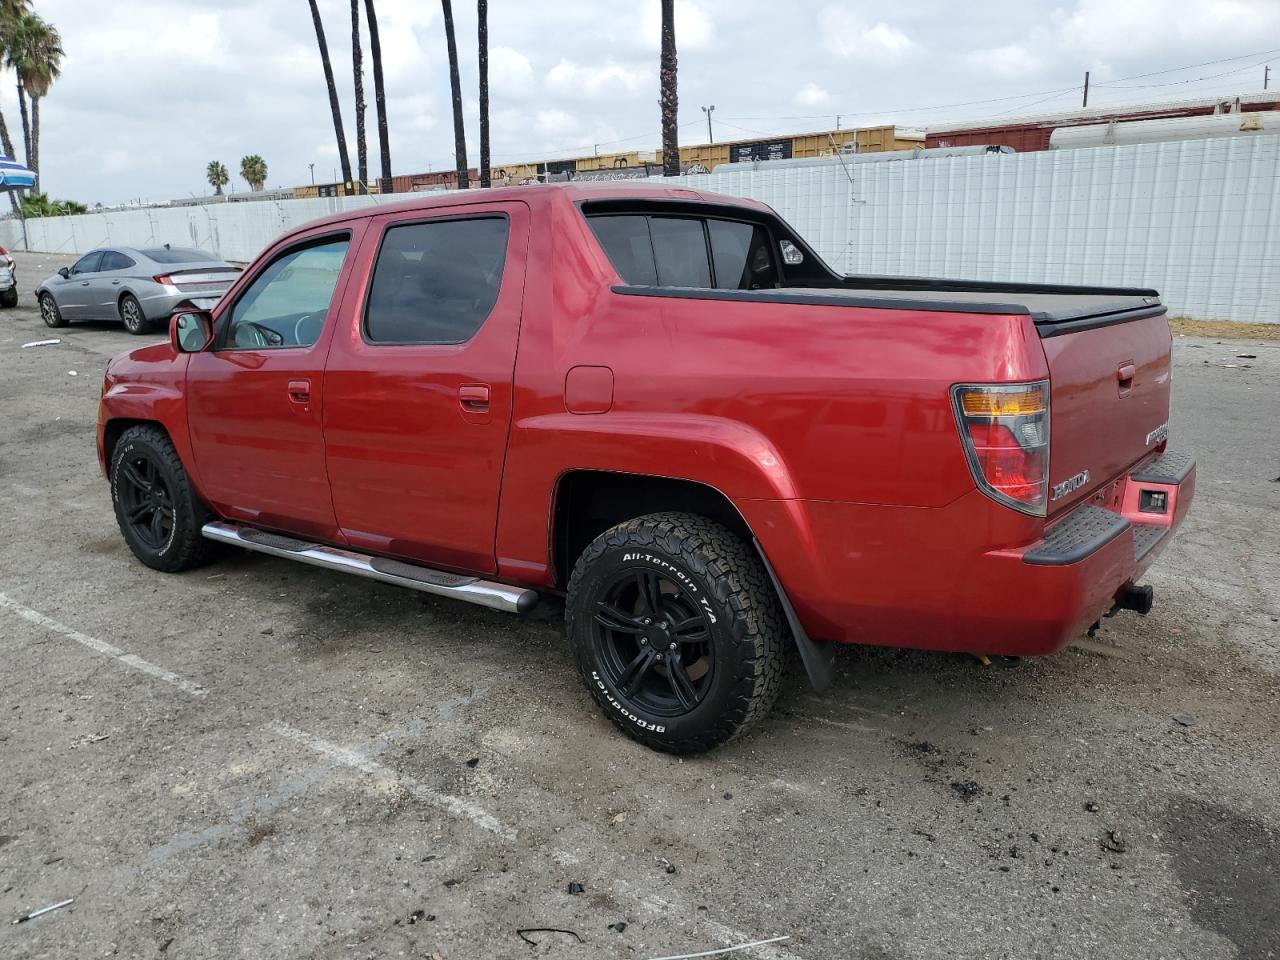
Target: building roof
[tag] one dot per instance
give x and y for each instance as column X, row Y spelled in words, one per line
column 1098, row 113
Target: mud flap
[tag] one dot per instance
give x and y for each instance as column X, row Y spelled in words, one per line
column 818, row 658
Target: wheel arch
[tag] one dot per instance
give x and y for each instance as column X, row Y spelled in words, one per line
column 113, row 430
column 588, row 502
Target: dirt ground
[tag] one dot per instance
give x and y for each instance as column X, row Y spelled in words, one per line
column 258, row 759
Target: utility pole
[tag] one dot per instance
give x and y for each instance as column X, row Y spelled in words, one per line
column 1266, row 76
column 1086, row 89
column 708, row 111
column 312, row 168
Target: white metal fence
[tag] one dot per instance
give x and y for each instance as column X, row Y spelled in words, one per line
column 1199, row 220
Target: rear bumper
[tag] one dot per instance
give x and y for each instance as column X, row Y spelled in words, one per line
column 160, row 301
column 911, row 577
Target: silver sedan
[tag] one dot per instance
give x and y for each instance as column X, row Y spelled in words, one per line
column 138, row 287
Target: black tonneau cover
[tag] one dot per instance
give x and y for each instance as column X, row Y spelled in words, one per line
column 1055, row 310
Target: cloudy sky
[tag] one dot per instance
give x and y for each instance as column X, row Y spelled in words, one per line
column 153, row 89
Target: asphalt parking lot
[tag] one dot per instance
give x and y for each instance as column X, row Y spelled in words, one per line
column 258, row 759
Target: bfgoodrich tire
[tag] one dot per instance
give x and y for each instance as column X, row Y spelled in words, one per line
column 158, row 512
column 677, row 631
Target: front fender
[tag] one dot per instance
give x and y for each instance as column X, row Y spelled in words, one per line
column 146, row 385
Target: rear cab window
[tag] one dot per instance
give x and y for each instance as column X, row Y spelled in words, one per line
column 675, row 250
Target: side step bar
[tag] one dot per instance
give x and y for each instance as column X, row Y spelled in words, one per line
column 486, row 593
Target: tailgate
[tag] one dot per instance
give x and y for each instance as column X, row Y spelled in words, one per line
column 1109, row 402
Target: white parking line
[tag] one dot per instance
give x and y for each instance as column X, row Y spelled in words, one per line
column 101, row 646
column 358, row 760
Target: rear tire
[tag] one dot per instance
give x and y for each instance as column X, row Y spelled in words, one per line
column 9, row 298
column 677, row 631
column 50, row 313
column 159, row 514
column 131, row 315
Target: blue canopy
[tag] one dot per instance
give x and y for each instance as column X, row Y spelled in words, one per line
column 14, row 176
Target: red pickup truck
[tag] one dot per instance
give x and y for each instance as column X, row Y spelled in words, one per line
column 662, row 405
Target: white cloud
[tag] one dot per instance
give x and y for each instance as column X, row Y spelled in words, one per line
column 847, row 33
column 1013, row 61
column 694, row 28
column 510, row 73
column 553, row 122
column 1107, row 29
column 602, row 82
column 812, row 95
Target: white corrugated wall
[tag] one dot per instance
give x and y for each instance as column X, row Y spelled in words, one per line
column 1199, row 220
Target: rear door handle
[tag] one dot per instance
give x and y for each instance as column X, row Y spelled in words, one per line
column 300, row 392
column 474, row 397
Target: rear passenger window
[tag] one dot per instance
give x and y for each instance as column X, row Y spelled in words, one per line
column 740, row 252
column 111, row 260
column 436, row 282
column 626, row 242
column 680, row 252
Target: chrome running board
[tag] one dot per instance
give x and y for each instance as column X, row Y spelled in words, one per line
column 486, row 593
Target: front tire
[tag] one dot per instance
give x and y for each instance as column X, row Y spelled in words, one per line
column 9, row 298
column 50, row 313
column 159, row 514
column 677, row 631
column 131, row 315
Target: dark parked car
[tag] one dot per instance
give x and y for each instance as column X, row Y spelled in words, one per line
column 135, row 286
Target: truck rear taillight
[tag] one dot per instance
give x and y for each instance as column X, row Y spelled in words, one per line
column 1005, row 432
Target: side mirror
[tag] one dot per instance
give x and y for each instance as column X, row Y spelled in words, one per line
column 190, row 331
column 64, row 272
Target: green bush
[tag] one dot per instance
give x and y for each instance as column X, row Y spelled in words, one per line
column 39, row 205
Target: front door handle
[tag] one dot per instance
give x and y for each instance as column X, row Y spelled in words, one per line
column 300, row 392
column 474, row 397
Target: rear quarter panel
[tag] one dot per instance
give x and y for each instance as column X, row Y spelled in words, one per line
column 761, row 401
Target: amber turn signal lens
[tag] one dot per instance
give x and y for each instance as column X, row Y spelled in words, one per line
column 1024, row 403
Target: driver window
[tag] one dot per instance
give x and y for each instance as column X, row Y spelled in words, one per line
column 286, row 304
column 88, row 263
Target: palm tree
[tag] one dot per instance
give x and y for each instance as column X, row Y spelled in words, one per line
column 379, row 96
column 343, row 158
column 482, row 31
column 357, row 71
column 669, row 101
column 459, row 131
column 217, row 175
column 11, row 11
column 35, row 52
column 254, row 169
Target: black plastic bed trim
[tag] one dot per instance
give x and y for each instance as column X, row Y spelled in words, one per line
column 817, row 299
column 1085, row 531
column 1049, row 324
column 1058, row 324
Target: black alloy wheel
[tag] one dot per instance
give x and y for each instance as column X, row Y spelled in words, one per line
column 146, row 501
column 652, row 642
column 677, row 630
column 159, row 514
